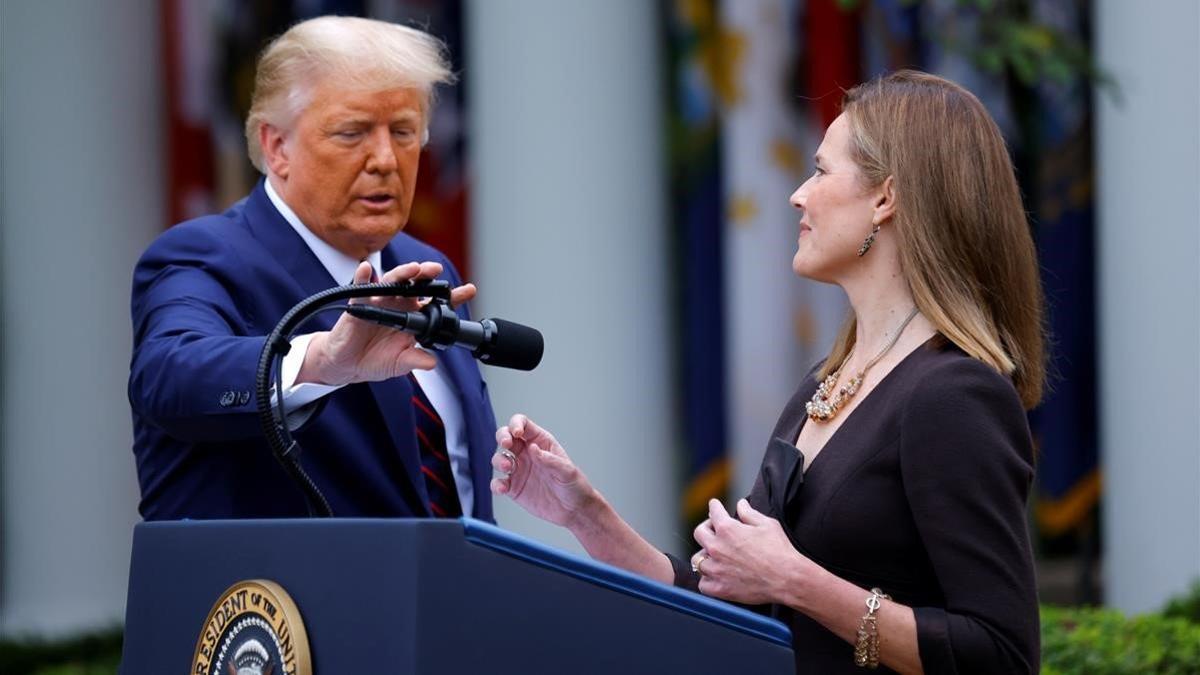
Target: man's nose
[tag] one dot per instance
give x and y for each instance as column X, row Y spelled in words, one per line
column 381, row 150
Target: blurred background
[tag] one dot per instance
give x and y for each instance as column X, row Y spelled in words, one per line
column 616, row 173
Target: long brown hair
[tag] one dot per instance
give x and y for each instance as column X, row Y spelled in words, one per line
column 964, row 242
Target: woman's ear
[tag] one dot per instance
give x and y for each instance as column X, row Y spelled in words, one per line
column 885, row 201
column 274, row 149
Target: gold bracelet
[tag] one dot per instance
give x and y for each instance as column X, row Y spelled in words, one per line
column 866, row 646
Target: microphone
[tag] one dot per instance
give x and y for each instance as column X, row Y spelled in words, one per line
column 495, row 342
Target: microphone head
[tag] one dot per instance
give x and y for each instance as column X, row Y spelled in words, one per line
column 513, row 346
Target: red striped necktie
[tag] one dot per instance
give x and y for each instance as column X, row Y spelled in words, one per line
column 435, row 460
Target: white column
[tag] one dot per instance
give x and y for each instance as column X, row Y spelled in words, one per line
column 82, row 196
column 569, row 233
column 1148, row 198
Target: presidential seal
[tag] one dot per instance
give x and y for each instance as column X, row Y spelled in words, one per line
column 254, row 629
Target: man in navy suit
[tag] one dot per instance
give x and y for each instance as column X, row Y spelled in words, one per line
column 340, row 112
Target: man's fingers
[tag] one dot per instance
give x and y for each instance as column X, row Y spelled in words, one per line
column 464, row 293
column 419, row 359
column 401, row 273
column 362, row 273
column 429, row 270
column 412, row 270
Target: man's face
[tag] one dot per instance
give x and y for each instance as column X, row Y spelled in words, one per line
column 348, row 165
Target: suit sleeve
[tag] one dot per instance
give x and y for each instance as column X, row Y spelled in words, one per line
column 966, row 458
column 193, row 363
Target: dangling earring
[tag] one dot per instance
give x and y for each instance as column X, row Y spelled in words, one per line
column 866, row 245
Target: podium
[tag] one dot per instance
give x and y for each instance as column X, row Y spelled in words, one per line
column 417, row 596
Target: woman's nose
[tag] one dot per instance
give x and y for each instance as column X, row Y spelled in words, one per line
column 799, row 197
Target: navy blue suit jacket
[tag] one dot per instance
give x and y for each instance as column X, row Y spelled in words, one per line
column 205, row 295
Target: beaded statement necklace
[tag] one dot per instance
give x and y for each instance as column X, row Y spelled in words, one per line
column 822, row 407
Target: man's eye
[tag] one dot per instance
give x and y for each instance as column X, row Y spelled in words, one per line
column 347, row 134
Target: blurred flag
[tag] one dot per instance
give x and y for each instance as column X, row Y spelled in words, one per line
column 1064, row 426
column 187, row 48
column 698, row 74
column 777, row 325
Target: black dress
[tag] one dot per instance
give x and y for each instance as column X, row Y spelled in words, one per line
column 922, row 493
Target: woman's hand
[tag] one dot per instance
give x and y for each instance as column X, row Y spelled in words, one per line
column 750, row 561
column 362, row 351
column 543, row 479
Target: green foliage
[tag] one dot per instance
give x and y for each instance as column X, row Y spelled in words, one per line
column 1009, row 39
column 1105, row 642
column 1185, row 606
column 94, row 654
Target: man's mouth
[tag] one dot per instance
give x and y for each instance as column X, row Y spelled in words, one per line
column 378, row 201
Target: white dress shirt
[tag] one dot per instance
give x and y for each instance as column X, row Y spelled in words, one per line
column 435, row 383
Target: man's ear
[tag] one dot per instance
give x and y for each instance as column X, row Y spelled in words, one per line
column 271, row 140
column 885, row 201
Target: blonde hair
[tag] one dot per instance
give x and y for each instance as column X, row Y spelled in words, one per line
column 373, row 55
column 964, row 241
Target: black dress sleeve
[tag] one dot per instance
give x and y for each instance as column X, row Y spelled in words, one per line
column 966, row 460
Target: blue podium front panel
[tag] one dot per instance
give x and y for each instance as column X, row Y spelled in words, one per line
column 421, row 596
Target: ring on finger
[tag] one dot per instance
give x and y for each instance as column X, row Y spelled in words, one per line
column 698, row 564
column 510, row 456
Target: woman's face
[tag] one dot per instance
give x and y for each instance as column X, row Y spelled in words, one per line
column 836, row 210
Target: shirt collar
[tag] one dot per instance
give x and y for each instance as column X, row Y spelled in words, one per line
column 339, row 265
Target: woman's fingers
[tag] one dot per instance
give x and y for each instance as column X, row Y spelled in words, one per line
column 502, row 462
column 560, row 467
column 704, row 534
column 747, row 514
column 504, row 438
column 718, row 516
column 527, row 430
column 516, row 425
column 500, row 486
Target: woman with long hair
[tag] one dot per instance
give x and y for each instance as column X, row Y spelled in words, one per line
column 887, row 525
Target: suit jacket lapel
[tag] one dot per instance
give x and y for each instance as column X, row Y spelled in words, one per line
column 289, row 250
